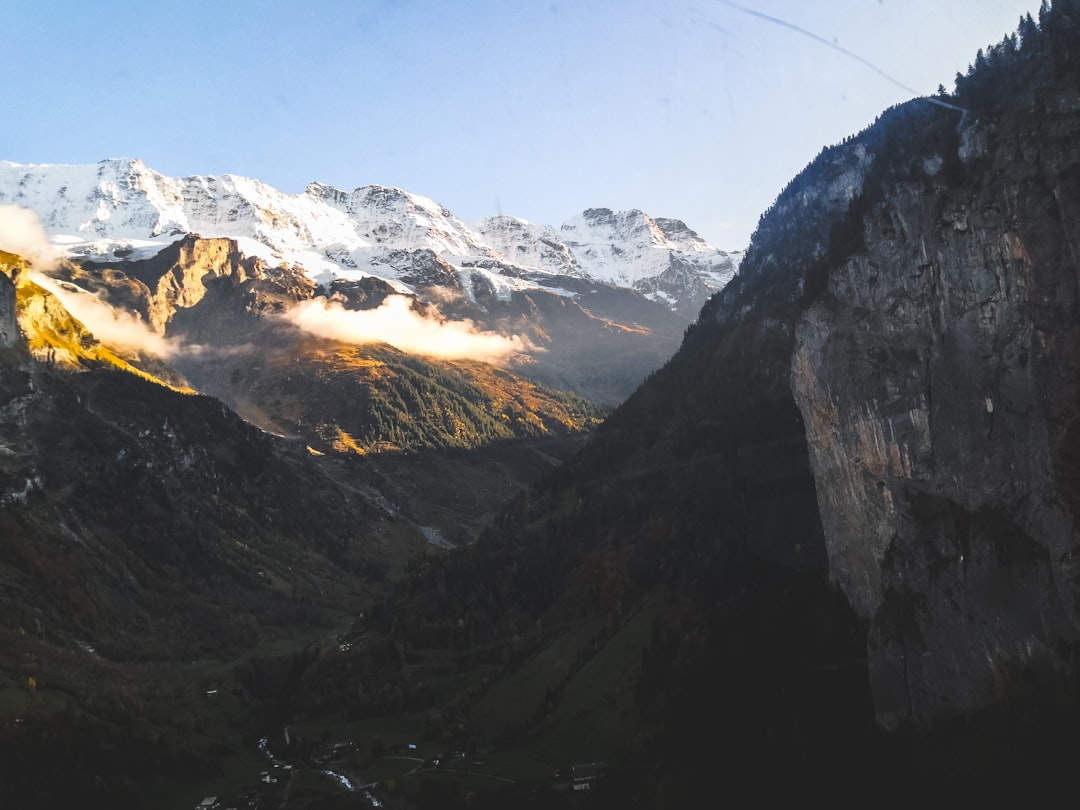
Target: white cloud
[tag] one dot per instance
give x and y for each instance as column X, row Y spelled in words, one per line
column 111, row 326
column 396, row 323
column 21, row 232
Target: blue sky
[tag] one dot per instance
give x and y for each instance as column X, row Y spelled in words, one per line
column 690, row 109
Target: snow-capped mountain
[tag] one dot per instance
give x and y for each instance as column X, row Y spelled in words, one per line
column 123, row 205
column 629, row 246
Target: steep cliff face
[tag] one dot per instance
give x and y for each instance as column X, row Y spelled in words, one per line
column 938, row 378
column 901, row 349
column 183, row 283
column 34, row 324
column 176, row 278
column 10, row 338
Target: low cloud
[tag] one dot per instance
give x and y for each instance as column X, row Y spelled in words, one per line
column 21, row 232
column 113, row 327
column 396, row 323
column 124, row 330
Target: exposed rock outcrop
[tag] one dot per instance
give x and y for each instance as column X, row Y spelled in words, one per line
column 9, row 326
column 176, row 278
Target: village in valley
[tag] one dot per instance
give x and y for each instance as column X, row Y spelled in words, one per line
column 333, row 769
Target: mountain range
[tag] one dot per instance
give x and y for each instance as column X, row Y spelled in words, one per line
column 122, row 208
column 369, row 321
column 591, row 308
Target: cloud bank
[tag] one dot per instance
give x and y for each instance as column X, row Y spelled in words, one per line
column 396, row 323
column 21, row 232
column 113, row 327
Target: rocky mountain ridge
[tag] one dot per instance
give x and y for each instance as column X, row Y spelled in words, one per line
column 588, row 324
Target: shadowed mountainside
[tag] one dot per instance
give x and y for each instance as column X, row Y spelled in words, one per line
column 852, row 487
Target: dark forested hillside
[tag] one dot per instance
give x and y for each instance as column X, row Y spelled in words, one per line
column 142, row 527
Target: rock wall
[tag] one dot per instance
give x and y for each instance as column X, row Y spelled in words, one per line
column 182, row 284
column 938, row 377
column 9, row 326
column 173, row 280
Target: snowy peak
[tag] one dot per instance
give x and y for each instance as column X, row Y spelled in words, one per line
column 117, row 199
column 616, row 225
column 605, row 231
column 527, row 244
column 389, row 216
column 95, row 200
column 661, row 258
column 680, row 236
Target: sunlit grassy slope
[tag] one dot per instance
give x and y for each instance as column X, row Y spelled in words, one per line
column 56, row 337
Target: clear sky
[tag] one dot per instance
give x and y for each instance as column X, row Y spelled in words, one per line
column 692, row 109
